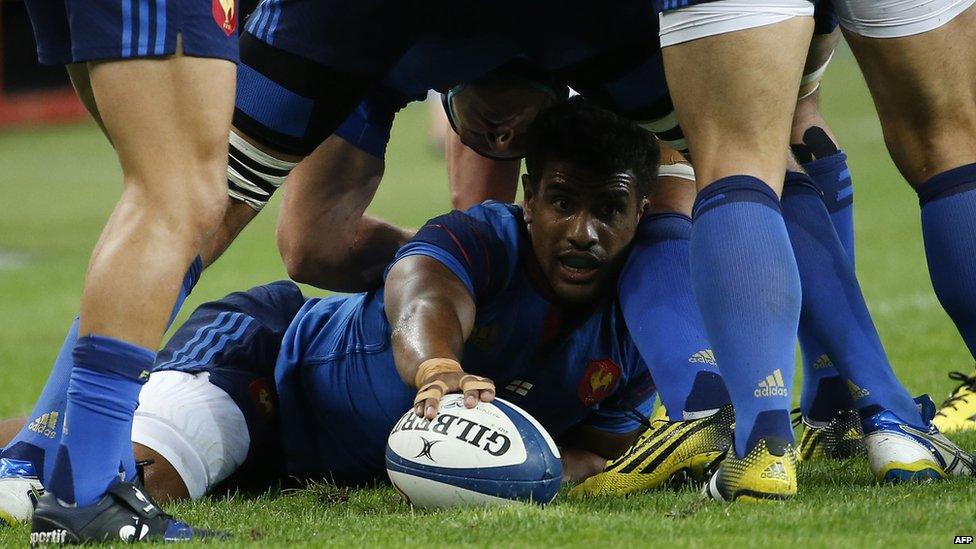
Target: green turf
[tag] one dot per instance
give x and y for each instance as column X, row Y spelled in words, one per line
column 58, row 185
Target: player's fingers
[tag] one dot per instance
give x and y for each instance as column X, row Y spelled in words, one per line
column 430, row 409
column 428, row 397
column 470, row 398
column 475, row 389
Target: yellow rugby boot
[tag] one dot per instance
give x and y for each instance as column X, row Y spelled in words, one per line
column 958, row 412
column 668, row 451
column 767, row 472
column 839, row 438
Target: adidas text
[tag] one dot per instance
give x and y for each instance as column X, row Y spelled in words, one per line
column 773, row 385
column 705, row 356
column 775, row 471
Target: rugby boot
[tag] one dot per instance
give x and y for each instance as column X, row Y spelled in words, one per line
column 125, row 513
column 958, row 412
column 668, row 452
column 898, row 452
column 839, row 438
column 19, row 490
column 767, row 472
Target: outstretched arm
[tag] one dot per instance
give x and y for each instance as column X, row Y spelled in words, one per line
column 431, row 313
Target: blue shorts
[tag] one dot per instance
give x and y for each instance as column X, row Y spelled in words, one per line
column 91, row 30
column 330, row 414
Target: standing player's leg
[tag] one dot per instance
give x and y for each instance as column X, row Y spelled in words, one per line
column 922, row 75
column 152, row 111
column 659, row 308
column 166, row 119
column 743, row 269
column 815, row 147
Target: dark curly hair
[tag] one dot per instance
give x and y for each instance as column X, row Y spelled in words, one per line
column 594, row 138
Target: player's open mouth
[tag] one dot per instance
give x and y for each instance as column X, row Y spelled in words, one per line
column 578, row 267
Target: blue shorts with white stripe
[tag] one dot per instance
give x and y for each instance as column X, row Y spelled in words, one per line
column 91, row 30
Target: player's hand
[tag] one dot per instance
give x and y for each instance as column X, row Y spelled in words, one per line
column 439, row 377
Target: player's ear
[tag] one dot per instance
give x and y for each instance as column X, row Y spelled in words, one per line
column 528, row 194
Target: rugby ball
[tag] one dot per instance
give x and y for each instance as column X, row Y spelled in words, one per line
column 494, row 453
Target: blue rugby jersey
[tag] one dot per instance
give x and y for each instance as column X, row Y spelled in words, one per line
column 340, row 393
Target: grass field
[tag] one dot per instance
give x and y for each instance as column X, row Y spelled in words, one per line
column 57, row 187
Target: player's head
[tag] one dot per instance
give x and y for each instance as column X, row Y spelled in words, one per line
column 492, row 115
column 588, row 174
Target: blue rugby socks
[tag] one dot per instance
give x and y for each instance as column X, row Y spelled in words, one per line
column 834, row 312
column 833, row 178
column 663, row 318
column 103, row 394
column 38, row 441
column 948, row 203
column 745, row 280
column 824, row 392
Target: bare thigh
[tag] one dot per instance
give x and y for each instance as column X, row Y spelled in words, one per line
column 734, row 95
column 924, row 88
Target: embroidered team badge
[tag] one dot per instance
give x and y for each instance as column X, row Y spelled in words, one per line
column 599, row 379
column 225, row 15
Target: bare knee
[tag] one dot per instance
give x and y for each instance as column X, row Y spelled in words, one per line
column 186, row 202
column 162, row 481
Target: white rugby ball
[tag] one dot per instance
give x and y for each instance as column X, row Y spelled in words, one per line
column 494, row 453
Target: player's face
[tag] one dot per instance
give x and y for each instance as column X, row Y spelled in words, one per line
column 493, row 119
column 581, row 224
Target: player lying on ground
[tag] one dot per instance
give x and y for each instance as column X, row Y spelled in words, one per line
column 266, row 383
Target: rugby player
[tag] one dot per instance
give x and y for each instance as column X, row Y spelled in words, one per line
column 159, row 78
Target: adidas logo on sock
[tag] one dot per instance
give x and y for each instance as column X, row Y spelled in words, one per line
column 822, row 363
column 45, row 425
column 857, row 393
column 705, row 356
column 775, row 471
column 773, row 385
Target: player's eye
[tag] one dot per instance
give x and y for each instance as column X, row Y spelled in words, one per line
column 610, row 209
column 562, row 204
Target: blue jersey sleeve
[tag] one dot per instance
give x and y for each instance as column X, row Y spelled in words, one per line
column 480, row 245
